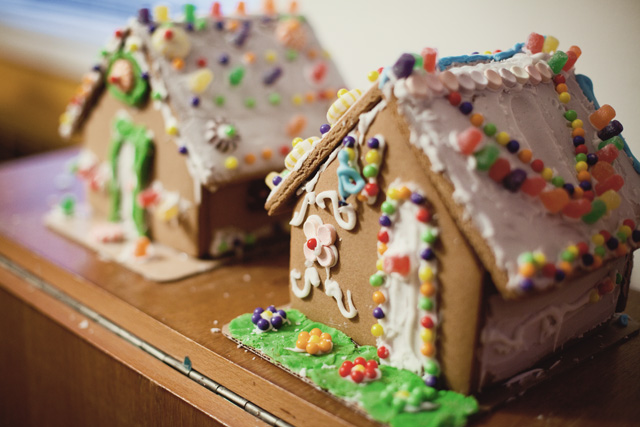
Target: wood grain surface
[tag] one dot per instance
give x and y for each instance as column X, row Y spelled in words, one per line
column 178, row 319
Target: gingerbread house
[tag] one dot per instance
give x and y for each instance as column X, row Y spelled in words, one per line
column 468, row 216
column 183, row 118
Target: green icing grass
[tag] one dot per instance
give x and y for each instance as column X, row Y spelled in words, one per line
column 453, row 408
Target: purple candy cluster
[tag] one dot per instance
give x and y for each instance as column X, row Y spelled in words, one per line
column 271, row 318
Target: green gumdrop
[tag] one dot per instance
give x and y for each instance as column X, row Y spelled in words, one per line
column 376, row 280
column 425, row 304
column 236, row 75
column 370, row 171
column 274, row 98
column 557, row 181
column 557, row 61
column 598, row 208
column 67, row 204
column 388, row 208
column 567, row 256
column 486, row 157
column 616, row 140
column 419, row 61
column 219, row 100
column 201, row 24
column 291, row 54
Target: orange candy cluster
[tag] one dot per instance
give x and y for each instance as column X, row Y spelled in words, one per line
column 315, row 342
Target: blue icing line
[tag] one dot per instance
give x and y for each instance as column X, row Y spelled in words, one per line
column 446, row 62
column 586, row 85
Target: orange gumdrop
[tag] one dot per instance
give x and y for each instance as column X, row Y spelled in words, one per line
column 304, row 335
column 554, row 200
column 326, row 336
column 141, row 246
column 325, row 346
column 614, row 182
column 296, row 125
column 301, row 344
column 316, row 332
column 577, row 208
column 312, row 348
column 601, row 171
column 533, row 185
column 602, row 116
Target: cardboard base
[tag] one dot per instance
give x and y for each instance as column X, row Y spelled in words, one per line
column 166, row 264
column 600, row 339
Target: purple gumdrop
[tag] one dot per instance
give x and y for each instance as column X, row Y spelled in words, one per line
column 272, row 308
column 271, row 76
column 404, row 66
column 378, row 313
column 263, row 324
column 427, row 254
column 258, row 310
column 282, row 314
column 417, row 198
column 384, row 221
column 255, row 318
column 514, row 180
column 609, row 131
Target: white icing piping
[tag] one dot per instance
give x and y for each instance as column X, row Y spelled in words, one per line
column 338, row 211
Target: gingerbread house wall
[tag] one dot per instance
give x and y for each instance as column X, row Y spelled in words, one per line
column 460, row 274
column 169, row 168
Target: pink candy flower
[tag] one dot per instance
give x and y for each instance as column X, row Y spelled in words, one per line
column 319, row 245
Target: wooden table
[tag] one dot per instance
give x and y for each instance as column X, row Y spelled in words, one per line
column 85, row 342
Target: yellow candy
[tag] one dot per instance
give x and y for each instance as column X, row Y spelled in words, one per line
column 426, row 335
column 167, row 210
column 393, row 193
column 425, row 274
column 231, row 162
column 503, row 138
column 270, row 56
column 359, row 367
column 199, row 81
column 598, row 239
column 342, row 92
column 352, row 153
column 345, row 100
column 297, row 99
column 65, row 118
column 161, row 13
column 372, row 76
column 171, row 128
column 582, row 166
column 296, row 141
column 314, row 339
column 377, row 330
column 547, row 174
column 539, row 259
column 300, row 147
column 594, row 296
column 564, row 97
column 612, row 199
column 379, row 265
column 372, row 156
column 574, row 250
column 577, row 123
column 550, row 44
column 267, row 314
column 624, row 229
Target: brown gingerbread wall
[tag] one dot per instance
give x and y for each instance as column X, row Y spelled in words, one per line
column 169, row 168
column 460, row 273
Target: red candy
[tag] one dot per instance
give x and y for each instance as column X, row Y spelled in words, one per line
column 383, row 353
column 533, row 185
column 397, row 264
column 582, row 149
column 535, row 42
column 606, row 286
column 559, row 79
column 360, row 361
column 147, row 197
column 629, row 223
column 383, row 236
column 605, row 234
column 572, row 58
column 284, row 150
column 372, row 364
column 371, row 373
column 554, row 200
column 583, row 248
column 614, row 182
column 429, row 59
column 608, row 153
column 469, row 140
column 426, row 322
column 454, row 98
column 601, row 171
column 549, row 270
column 577, row 208
column 537, row 165
column 344, row 371
column 499, row 169
column 589, row 195
column 371, row 189
column 357, row 376
column 423, row 215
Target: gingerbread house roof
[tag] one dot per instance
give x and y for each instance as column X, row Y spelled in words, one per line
column 233, row 90
column 535, row 172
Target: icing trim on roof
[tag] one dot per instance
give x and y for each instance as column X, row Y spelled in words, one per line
column 449, row 61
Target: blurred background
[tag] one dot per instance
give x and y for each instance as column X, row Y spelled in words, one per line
column 46, row 45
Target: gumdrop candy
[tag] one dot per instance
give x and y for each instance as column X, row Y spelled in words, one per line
column 576, row 50
column 608, row 153
column 535, row 42
column 199, row 81
column 404, row 65
column 602, row 116
column 555, row 200
column 397, row 264
column 550, row 44
column 598, row 209
column 614, row 182
column 611, row 198
column 499, row 170
column 429, row 59
column 601, row 171
column 514, row 180
column 577, row 208
column 486, row 157
column 572, row 57
column 609, row 131
column 557, row 61
column 469, row 140
column 533, row 185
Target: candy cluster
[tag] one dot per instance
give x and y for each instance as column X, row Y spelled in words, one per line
column 401, row 265
column 373, row 159
column 314, row 342
column 360, row 370
column 269, row 319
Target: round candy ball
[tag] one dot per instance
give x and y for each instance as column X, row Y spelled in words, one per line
column 263, row 324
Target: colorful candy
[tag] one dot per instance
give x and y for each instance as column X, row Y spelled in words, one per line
column 469, row 140
column 602, row 116
column 554, row 200
column 550, row 44
column 340, row 106
column 199, row 81
column 534, row 43
column 315, row 342
column 557, row 61
column 429, row 59
column 403, row 67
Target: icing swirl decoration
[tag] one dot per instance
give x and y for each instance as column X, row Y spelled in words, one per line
column 222, row 135
column 172, row 42
column 320, row 242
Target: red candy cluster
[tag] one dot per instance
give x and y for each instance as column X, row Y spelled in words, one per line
column 360, row 370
